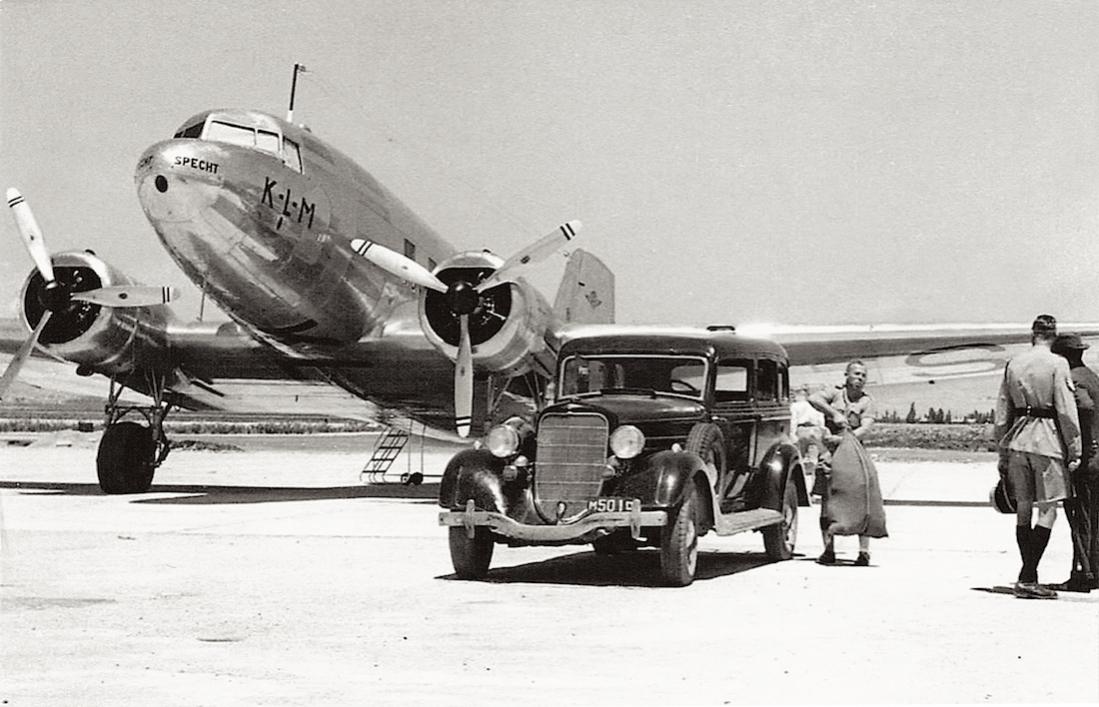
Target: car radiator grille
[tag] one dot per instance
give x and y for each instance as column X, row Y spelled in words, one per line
column 571, row 459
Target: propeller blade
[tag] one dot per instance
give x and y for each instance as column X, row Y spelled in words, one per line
column 22, row 355
column 463, row 381
column 127, row 296
column 393, row 262
column 531, row 255
column 32, row 235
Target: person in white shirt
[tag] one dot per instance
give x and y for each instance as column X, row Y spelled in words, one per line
column 807, row 429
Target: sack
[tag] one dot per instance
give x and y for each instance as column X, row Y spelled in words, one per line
column 1002, row 497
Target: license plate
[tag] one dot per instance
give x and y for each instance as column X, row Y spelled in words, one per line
column 613, row 505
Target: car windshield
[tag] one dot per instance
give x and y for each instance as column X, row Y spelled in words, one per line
column 586, row 374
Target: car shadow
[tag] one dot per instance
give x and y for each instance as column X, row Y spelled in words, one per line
column 204, row 494
column 639, row 568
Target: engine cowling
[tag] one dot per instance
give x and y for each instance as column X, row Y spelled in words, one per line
column 507, row 325
column 102, row 338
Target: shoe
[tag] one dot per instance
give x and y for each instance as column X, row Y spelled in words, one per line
column 1033, row 590
column 863, row 560
column 828, row 557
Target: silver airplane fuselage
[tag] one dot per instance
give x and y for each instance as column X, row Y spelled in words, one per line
column 259, row 213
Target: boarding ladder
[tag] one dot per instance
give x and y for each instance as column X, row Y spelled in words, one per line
column 386, row 450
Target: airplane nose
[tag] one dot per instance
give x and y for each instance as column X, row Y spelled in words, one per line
column 174, row 180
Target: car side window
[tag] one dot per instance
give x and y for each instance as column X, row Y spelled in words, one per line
column 731, row 382
column 767, row 380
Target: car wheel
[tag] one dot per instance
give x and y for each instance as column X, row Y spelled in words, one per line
column 779, row 539
column 679, row 542
column 470, row 556
column 705, row 440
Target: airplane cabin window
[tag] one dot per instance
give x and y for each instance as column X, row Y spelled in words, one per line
column 233, row 134
column 267, row 141
column 409, row 249
column 291, row 155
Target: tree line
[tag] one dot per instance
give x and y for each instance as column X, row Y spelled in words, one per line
column 937, row 416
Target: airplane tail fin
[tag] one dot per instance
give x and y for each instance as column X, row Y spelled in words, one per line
column 586, row 292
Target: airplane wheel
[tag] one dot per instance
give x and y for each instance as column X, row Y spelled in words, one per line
column 779, row 539
column 470, row 556
column 125, row 459
column 679, row 542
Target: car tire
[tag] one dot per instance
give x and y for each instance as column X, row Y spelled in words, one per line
column 779, row 539
column 705, row 440
column 470, row 556
column 679, row 542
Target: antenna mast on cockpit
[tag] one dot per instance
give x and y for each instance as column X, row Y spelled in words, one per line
column 298, row 69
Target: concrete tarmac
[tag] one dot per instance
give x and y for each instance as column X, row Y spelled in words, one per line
column 275, row 578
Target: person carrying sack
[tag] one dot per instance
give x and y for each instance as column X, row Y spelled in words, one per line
column 851, row 500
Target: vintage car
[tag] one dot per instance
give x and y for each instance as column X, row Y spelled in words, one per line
column 654, row 439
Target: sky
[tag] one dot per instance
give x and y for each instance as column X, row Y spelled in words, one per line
column 732, row 162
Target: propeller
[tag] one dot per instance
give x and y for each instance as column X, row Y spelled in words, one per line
column 56, row 296
column 464, row 298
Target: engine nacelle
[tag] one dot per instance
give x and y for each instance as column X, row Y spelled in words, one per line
column 507, row 326
column 102, row 338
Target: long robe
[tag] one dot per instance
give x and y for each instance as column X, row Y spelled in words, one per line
column 854, row 503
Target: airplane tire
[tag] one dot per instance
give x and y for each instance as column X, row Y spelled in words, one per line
column 779, row 539
column 679, row 542
column 470, row 556
column 125, row 459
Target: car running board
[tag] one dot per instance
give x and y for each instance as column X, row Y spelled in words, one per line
column 730, row 523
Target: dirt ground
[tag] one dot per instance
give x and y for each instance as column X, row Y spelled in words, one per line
column 273, row 577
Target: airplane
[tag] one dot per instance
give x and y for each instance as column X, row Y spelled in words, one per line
column 332, row 283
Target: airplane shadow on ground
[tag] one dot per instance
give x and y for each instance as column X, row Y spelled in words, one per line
column 203, row 494
column 639, row 568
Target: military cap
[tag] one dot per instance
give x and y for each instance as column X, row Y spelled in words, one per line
column 1069, row 342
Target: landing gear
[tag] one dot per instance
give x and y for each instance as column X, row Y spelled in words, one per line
column 129, row 451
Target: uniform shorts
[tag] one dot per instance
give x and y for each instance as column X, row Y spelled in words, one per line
column 1044, row 477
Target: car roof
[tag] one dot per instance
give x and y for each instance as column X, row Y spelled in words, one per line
column 721, row 344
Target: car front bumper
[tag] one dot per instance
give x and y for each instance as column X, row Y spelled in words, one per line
column 587, row 523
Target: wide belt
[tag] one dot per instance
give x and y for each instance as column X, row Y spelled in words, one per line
column 1048, row 413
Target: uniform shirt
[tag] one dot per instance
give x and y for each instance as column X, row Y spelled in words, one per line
column 1087, row 397
column 1040, row 379
column 803, row 413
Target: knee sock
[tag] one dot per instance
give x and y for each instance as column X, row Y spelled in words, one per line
column 1039, row 538
column 1022, row 538
column 1032, row 544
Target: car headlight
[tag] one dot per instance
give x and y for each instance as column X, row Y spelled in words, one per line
column 627, row 442
column 502, row 441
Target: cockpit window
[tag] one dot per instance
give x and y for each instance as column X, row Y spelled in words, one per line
column 233, row 134
column 291, row 155
column 191, row 131
column 267, row 141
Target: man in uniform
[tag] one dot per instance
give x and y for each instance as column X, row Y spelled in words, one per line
column 1039, row 433
column 1083, row 509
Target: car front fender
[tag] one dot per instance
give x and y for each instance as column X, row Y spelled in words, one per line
column 473, row 474
column 661, row 479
